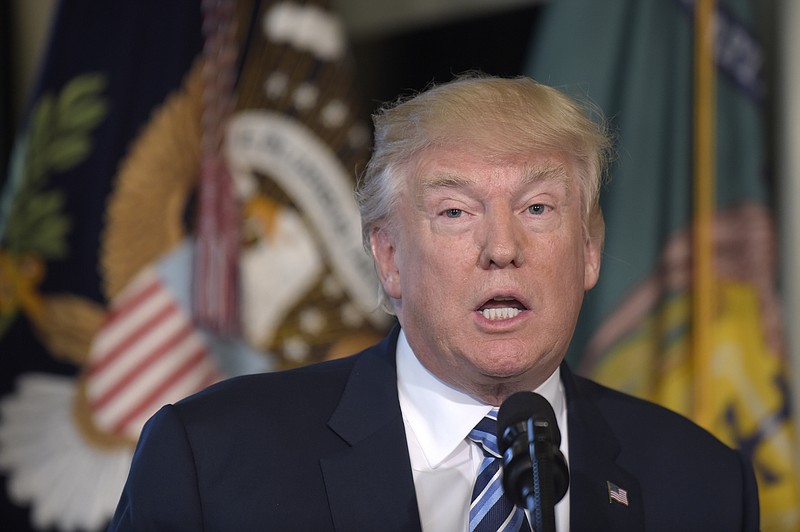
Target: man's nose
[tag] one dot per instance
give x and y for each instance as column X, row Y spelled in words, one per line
column 503, row 241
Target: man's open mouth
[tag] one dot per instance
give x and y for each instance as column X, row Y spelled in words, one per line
column 501, row 308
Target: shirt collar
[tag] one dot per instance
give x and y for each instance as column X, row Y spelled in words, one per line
column 442, row 416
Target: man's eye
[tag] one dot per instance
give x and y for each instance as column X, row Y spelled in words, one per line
column 537, row 208
column 453, row 213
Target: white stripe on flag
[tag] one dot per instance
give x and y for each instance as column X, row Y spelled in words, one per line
column 201, row 376
column 135, row 354
column 126, row 324
column 147, row 354
column 149, row 375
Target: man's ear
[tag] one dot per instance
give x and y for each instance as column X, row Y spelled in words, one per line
column 593, row 249
column 383, row 243
column 591, row 265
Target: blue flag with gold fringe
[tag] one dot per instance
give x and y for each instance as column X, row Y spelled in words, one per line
column 139, row 106
column 106, row 67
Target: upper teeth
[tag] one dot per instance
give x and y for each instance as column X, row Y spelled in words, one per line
column 500, row 313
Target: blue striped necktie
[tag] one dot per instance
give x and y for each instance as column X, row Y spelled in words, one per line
column 490, row 510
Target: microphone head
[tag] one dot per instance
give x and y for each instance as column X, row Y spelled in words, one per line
column 527, row 434
column 519, row 408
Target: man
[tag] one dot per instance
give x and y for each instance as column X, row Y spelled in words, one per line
column 480, row 208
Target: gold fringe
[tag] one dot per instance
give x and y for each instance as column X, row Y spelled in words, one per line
column 82, row 414
column 68, row 325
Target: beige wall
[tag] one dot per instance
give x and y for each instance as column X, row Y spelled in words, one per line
column 374, row 17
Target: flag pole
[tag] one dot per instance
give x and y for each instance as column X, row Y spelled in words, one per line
column 703, row 292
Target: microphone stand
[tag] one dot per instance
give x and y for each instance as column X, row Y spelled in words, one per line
column 535, row 473
column 540, row 503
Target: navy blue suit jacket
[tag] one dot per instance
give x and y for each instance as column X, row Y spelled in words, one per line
column 324, row 448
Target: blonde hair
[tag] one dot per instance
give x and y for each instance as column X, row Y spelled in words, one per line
column 501, row 116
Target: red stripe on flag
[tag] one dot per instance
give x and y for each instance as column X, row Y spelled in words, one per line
column 142, row 366
column 128, row 305
column 169, row 380
column 125, row 344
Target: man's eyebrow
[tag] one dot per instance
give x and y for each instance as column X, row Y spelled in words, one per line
column 548, row 172
column 437, row 181
column 534, row 173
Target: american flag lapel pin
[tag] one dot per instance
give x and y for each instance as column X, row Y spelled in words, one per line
column 617, row 494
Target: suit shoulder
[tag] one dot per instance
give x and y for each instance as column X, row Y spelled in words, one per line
column 318, row 383
column 630, row 415
column 663, row 450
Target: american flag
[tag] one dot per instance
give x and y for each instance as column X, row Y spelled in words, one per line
column 147, row 354
column 615, row 493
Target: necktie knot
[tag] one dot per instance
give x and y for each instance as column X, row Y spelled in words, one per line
column 490, row 510
column 485, row 434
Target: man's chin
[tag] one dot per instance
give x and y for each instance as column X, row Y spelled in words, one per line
column 515, row 372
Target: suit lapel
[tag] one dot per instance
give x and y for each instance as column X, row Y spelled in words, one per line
column 370, row 485
column 594, row 472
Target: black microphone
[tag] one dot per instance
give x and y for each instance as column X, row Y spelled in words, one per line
column 535, row 474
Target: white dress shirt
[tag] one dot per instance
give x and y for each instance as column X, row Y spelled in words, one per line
column 444, row 462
